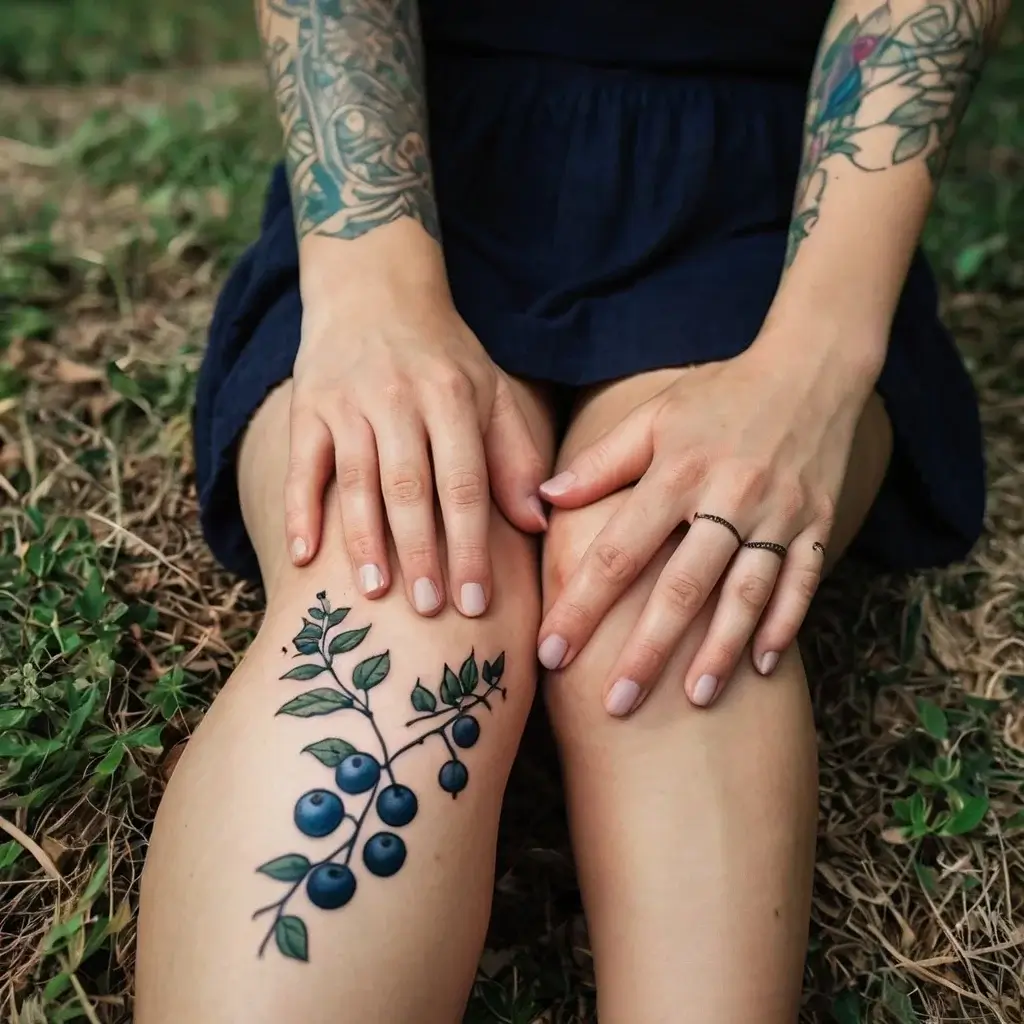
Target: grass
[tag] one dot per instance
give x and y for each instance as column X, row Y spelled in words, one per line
column 123, row 199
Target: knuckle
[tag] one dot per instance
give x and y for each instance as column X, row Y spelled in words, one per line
column 645, row 658
column 396, row 395
column 352, row 476
column 613, row 564
column 806, row 583
column 417, row 551
column 751, row 484
column 294, row 516
column 467, row 553
column 723, row 652
column 753, row 592
column 360, row 544
column 451, row 385
column 792, row 499
column 403, row 486
column 825, row 512
column 465, row 490
column 683, row 593
column 685, row 471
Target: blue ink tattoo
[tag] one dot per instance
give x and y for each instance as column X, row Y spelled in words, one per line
column 357, row 774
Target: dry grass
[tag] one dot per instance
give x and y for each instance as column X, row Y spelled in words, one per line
column 114, row 287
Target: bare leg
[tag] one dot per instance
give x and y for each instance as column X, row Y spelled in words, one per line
column 401, row 947
column 693, row 829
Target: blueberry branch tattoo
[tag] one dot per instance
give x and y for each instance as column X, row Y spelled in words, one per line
column 331, row 882
column 908, row 81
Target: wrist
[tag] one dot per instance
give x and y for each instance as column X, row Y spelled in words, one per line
column 839, row 361
column 396, row 258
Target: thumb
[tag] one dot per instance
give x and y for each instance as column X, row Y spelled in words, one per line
column 310, row 465
column 619, row 457
column 514, row 464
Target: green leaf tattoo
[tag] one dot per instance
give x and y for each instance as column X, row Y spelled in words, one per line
column 291, row 937
column 331, row 751
column 347, row 77
column 316, row 702
column 360, row 783
column 908, row 81
column 289, row 868
column 368, row 674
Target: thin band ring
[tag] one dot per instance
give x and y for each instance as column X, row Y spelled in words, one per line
column 819, row 547
column 721, row 522
column 767, row 545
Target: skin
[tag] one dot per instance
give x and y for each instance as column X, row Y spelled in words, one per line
column 693, row 829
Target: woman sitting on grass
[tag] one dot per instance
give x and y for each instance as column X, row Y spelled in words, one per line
column 593, row 288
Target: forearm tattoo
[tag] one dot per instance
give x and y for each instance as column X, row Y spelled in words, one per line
column 362, row 791
column 347, row 77
column 905, row 82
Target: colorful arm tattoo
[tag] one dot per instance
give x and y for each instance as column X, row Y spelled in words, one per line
column 362, row 783
column 909, row 78
column 347, row 76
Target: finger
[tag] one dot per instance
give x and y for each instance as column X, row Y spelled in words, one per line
column 744, row 595
column 460, row 469
column 515, row 467
column 628, row 541
column 362, row 514
column 617, row 458
column 797, row 584
column 682, row 589
column 409, row 501
column 310, row 464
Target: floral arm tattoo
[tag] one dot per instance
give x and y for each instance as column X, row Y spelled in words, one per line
column 347, row 77
column 362, row 789
column 907, row 79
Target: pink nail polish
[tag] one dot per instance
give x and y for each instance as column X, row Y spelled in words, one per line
column 621, row 697
column 537, row 509
column 704, row 690
column 425, row 596
column 370, row 579
column 558, row 484
column 299, row 549
column 551, row 651
column 767, row 664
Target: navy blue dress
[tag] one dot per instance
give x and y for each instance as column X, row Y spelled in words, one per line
column 614, row 182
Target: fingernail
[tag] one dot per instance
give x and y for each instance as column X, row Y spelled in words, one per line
column 537, row 509
column 767, row 664
column 552, row 651
column 621, row 697
column 704, row 691
column 370, row 579
column 425, row 596
column 473, row 601
column 558, row 484
column 299, row 549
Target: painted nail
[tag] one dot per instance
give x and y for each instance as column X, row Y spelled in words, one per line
column 558, row 484
column 370, row 579
column 424, row 596
column 704, row 691
column 537, row 509
column 552, row 651
column 473, row 601
column 299, row 549
column 621, row 697
column 767, row 664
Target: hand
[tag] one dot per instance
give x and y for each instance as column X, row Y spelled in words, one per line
column 755, row 440
column 388, row 380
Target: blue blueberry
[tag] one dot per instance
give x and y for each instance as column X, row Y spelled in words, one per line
column 397, row 805
column 453, row 777
column 465, row 731
column 384, row 854
column 330, row 886
column 357, row 773
column 318, row 813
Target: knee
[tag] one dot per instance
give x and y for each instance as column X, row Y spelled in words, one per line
column 570, row 533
